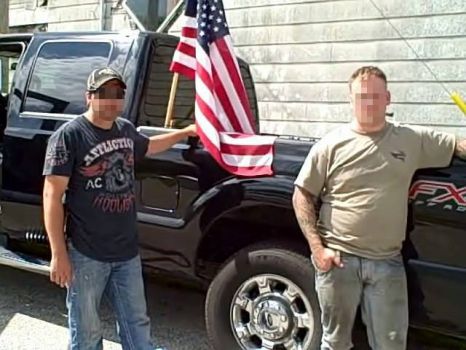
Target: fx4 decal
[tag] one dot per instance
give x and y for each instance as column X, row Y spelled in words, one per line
column 444, row 195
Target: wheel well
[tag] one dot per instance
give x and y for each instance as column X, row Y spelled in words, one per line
column 244, row 227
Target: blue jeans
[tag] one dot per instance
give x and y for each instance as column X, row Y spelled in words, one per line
column 380, row 287
column 122, row 283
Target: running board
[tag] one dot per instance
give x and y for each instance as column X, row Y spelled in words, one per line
column 23, row 261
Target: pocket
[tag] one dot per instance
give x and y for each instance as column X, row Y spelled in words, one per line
column 76, row 258
column 392, row 268
column 397, row 260
column 319, row 271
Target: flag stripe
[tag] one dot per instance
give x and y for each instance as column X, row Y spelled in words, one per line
column 226, row 78
column 185, row 60
column 182, row 69
column 242, row 161
column 229, row 58
column 189, row 32
column 222, row 116
column 190, row 22
column 206, row 128
column 187, row 50
column 224, row 101
column 252, row 140
column 209, row 114
column 189, row 41
column 245, row 150
column 203, row 59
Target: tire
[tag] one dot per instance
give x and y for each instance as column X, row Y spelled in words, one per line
column 279, row 267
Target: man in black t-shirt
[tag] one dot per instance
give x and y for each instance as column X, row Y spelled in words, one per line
column 91, row 160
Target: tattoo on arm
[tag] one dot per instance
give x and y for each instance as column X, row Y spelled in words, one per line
column 460, row 149
column 305, row 211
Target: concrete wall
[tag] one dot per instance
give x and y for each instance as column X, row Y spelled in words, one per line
column 303, row 51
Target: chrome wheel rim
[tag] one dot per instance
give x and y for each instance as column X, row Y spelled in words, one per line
column 270, row 312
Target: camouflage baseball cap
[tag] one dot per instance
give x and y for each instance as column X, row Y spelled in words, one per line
column 100, row 76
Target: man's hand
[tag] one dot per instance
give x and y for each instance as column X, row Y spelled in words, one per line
column 161, row 143
column 325, row 258
column 460, row 149
column 60, row 269
column 54, row 216
column 191, row 130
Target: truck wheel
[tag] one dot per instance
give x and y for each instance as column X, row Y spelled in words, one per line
column 264, row 298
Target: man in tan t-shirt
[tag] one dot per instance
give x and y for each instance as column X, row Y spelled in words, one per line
column 360, row 175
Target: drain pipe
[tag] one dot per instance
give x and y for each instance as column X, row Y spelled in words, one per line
column 102, row 15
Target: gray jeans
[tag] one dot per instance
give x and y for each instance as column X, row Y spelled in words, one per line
column 379, row 286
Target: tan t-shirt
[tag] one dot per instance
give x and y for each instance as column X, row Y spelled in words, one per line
column 363, row 183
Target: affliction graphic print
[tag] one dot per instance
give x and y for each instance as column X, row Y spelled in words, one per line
column 108, row 172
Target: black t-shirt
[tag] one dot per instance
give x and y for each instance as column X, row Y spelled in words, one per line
column 100, row 200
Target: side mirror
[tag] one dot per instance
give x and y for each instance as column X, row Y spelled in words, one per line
column 14, row 65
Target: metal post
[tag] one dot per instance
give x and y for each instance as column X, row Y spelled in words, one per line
column 4, row 24
column 102, row 15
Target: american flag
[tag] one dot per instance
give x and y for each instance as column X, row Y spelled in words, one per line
column 224, row 120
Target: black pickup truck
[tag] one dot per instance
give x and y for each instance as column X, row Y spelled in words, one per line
column 236, row 237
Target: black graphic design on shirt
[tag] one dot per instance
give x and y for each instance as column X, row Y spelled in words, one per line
column 108, row 170
column 57, row 154
column 400, row 155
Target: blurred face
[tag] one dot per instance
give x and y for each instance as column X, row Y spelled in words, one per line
column 107, row 102
column 369, row 100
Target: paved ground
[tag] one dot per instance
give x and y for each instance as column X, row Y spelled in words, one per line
column 32, row 316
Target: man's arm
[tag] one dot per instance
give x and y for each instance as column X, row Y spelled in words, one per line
column 304, row 207
column 160, row 143
column 54, row 216
column 460, row 148
column 305, row 210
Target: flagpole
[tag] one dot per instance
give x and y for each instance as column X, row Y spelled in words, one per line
column 171, row 101
column 459, row 102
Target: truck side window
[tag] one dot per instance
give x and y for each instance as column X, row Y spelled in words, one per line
column 158, row 86
column 157, row 92
column 58, row 80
